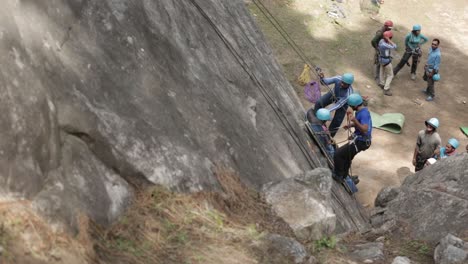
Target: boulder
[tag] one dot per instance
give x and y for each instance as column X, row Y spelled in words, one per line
column 430, row 203
column 304, row 203
column 369, row 252
column 277, row 249
column 386, row 195
column 309, row 203
column 451, row 250
column 401, row 260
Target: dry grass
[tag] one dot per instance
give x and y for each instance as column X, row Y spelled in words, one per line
column 27, row 238
column 206, row 227
column 159, row 227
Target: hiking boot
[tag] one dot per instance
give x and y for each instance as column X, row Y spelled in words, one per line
column 388, row 92
column 336, row 178
column 381, row 86
column 413, row 76
column 430, row 98
column 355, row 179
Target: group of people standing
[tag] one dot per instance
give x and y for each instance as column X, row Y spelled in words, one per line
column 341, row 97
column 384, row 71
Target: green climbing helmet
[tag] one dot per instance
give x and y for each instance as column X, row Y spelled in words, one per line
column 323, row 114
column 348, row 78
column 416, row 27
column 436, row 77
column 433, row 122
column 454, row 143
column 354, row 99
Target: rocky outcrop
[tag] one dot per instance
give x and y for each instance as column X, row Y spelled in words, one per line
column 429, row 204
column 305, row 202
column 101, row 97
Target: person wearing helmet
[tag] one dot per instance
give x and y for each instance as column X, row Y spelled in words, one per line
column 387, row 26
column 318, row 122
column 428, row 141
column 337, row 96
column 448, row 150
column 413, row 42
column 361, row 140
column 431, row 69
column 385, row 60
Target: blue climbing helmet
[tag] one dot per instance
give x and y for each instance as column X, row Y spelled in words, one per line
column 348, row 78
column 436, row 77
column 354, row 99
column 323, row 114
column 454, row 143
column 433, row 122
column 416, row 27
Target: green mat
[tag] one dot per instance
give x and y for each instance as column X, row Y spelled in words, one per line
column 391, row 122
column 464, row 130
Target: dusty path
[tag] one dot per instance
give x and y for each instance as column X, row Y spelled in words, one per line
column 343, row 45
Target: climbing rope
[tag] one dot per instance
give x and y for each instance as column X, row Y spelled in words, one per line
column 283, row 119
column 349, row 142
column 281, row 116
column 277, row 25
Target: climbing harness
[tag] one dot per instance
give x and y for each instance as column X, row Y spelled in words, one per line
column 347, row 183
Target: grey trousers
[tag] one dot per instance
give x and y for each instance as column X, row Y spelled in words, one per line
column 430, row 90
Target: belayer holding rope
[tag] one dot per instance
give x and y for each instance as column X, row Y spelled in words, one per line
column 359, row 141
column 337, row 96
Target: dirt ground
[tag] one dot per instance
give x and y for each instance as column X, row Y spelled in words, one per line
column 343, row 45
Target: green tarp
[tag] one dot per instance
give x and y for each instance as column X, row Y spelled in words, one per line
column 464, row 130
column 391, row 122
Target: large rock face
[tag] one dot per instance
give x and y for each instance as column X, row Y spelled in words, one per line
column 431, row 203
column 98, row 96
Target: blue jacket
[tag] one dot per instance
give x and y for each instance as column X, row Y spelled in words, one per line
column 433, row 60
column 340, row 93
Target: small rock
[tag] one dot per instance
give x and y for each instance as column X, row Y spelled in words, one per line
column 312, row 260
column 369, row 251
column 368, row 261
column 1, row 250
column 386, row 195
column 55, row 254
column 380, row 239
column 278, row 248
column 401, row 260
column 451, row 250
